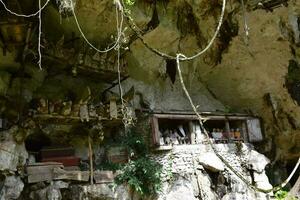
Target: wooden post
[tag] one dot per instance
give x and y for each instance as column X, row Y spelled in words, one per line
column 91, row 160
column 227, row 131
column 244, row 132
column 155, row 131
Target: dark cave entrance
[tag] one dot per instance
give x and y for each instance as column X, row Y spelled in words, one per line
column 293, row 80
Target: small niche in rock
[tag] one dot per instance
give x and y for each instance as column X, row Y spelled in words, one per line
column 219, row 182
column 35, row 142
column 171, row 69
column 187, row 23
column 2, row 179
column 154, row 22
column 293, row 80
column 229, row 29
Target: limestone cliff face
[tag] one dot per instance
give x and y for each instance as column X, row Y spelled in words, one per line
column 246, row 76
column 258, row 75
column 230, row 75
column 255, row 76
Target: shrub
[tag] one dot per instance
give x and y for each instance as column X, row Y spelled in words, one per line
column 142, row 175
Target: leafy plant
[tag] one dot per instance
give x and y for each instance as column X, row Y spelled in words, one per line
column 281, row 195
column 129, row 2
column 142, row 175
column 284, row 195
column 135, row 145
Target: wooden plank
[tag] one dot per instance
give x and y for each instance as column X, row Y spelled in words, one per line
column 164, row 148
column 35, row 178
column 227, row 129
column 44, row 164
column 254, row 130
column 41, row 173
column 41, row 169
column 91, row 160
column 182, row 112
column 175, row 116
column 104, row 176
column 155, row 130
column 244, row 131
column 59, row 119
column 61, row 174
column 194, row 117
column 72, row 168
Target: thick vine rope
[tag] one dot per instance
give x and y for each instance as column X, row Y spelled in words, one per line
column 39, row 13
column 119, row 30
column 246, row 28
column 179, row 57
column 40, row 35
column 182, row 57
column 116, row 43
column 22, row 15
column 216, row 151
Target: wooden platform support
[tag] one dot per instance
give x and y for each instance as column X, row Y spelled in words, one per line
column 91, row 160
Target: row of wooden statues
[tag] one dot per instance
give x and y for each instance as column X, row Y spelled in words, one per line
column 192, row 133
column 182, row 135
column 219, row 134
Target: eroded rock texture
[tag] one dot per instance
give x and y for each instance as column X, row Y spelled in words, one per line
column 241, row 75
column 259, row 74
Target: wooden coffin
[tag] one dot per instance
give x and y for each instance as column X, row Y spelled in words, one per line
column 104, row 176
column 66, row 161
column 117, row 155
column 56, row 152
column 61, row 174
column 39, row 172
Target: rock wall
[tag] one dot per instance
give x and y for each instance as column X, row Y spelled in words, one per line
column 239, row 76
column 197, row 171
column 252, row 77
column 231, row 76
column 165, row 96
column 189, row 172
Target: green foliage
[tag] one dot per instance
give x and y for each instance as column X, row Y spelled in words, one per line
column 135, row 145
column 129, row 2
column 283, row 195
column 142, row 175
column 169, row 168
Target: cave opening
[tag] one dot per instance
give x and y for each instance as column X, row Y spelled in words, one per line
column 154, row 22
column 293, row 80
column 35, row 142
